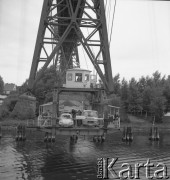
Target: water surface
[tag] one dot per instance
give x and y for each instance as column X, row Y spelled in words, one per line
column 63, row 160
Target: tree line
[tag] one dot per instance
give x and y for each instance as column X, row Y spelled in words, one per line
column 1, row 85
column 148, row 95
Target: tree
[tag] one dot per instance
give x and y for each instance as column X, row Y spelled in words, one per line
column 115, row 100
column 149, row 81
column 1, row 85
column 146, row 96
column 124, row 93
column 8, row 105
column 142, row 84
column 134, row 97
column 116, row 84
column 156, row 78
column 157, row 105
column 43, row 88
column 24, row 87
column 166, row 93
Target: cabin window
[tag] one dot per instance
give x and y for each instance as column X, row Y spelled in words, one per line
column 69, row 76
column 93, row 77
column 78, row 77
column 86, row 77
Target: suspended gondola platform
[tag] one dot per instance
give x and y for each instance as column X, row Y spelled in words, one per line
column 55, row 129
column 75, row 131
column 78, row 130
column 92, row 119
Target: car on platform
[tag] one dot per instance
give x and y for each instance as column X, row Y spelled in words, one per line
column 90, row 118
column 66, row 120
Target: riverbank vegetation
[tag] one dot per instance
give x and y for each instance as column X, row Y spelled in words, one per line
column 148, row 97
column 1, row 85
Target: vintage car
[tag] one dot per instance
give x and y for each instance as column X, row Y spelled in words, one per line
column 91, row 118
column 66, row 120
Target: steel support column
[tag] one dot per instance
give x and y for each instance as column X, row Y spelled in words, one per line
column 66, row 24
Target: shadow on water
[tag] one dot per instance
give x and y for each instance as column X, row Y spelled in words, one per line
column 67, row 160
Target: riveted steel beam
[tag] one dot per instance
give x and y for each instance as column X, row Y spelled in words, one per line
column 62, row 29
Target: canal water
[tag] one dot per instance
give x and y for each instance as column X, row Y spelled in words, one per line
column 63, row 160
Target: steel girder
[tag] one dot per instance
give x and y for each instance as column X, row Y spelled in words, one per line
column 66, row 24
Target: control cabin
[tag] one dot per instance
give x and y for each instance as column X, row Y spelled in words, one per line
column 79, row 78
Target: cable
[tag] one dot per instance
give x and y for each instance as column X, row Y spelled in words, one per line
column 105, row 5
column 108, row 14
column 66, row 67
column 112, row 23
column 85, row 58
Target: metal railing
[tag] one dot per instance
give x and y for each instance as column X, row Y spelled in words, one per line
column 31, row 123
column 44, row 121
column 114, row 123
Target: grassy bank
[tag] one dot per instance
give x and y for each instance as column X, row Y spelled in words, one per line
column 138, row 123
column 8, row 122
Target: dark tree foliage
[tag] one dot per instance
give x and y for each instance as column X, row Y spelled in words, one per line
column 43, row 89
column 8, row 105
column 116, row 84
column 1, row 85
column 134, row 97
column 124, row 93
column 24, row 87
column 157, row 105
column 150, row 95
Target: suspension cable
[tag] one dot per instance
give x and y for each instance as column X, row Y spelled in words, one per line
column 85, row 58
column 108, row 15
column 105, row 5
column 112, row 23
column 66, row 67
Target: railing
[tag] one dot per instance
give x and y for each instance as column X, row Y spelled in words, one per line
column 45, row 121
column 117, row 123
column 114, row 123
column 31, row 123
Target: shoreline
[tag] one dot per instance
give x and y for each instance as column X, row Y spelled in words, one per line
column 136, row 123
column 12, row 122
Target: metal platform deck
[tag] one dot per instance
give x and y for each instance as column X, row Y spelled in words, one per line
column 79, row 131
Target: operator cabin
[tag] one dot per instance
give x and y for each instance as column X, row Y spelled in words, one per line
column 79, row 78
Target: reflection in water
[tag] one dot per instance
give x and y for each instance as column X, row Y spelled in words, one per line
column 66, row 160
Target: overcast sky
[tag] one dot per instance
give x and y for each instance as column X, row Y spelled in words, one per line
column 140, row 39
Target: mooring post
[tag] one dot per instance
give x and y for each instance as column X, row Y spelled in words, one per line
column 24, row 133
column 124, row 136
column 0, row 132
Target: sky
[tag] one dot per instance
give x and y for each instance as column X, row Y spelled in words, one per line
column 140, row 42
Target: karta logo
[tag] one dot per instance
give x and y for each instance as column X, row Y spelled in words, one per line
column 108, row 169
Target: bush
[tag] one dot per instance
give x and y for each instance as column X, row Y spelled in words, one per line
column 22, row 111
column 13, row 115
column 8, row 106
column 11, row 105
column 28, row 114
column 4, row 112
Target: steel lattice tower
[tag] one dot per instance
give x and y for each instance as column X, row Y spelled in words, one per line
column 63, row 27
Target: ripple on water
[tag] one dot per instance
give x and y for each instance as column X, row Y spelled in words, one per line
column 35, row 159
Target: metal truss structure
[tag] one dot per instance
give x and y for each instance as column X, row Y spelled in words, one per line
column 64, row 26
